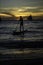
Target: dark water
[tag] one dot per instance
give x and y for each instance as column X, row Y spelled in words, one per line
column 35, row 34
column 35, row 28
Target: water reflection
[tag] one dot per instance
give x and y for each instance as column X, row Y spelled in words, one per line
column 22, row 42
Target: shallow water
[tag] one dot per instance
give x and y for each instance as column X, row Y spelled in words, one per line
column 26, row 53
column 35, row 28
column 35, row 34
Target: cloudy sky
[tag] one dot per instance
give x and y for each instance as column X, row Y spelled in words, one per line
column 22, row 7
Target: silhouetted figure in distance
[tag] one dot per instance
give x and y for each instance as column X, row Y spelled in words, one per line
column 21, row 24
column 30, row 18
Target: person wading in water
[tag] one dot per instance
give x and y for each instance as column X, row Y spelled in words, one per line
column 21, row 24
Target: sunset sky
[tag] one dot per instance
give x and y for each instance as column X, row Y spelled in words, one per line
column 21, row 7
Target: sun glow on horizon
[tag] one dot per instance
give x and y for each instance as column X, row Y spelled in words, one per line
column 22, row 11
column 18, row 14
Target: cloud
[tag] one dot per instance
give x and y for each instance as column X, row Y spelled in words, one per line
column 22, row 10
column 30, row 9
column 8, row 9
column 6, row 13
column 20, row 3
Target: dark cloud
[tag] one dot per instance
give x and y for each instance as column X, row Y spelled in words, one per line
column 8, row 13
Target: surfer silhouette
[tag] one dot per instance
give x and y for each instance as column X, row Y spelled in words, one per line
column 21, row 24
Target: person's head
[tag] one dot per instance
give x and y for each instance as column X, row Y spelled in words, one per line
column 21, row 17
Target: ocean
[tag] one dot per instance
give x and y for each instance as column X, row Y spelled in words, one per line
column 35, row 28
column 35, row 33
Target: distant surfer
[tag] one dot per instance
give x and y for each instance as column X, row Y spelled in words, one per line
column 21, row 24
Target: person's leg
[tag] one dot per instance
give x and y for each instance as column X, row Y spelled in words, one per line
column 20, row 28
column 23, row 29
